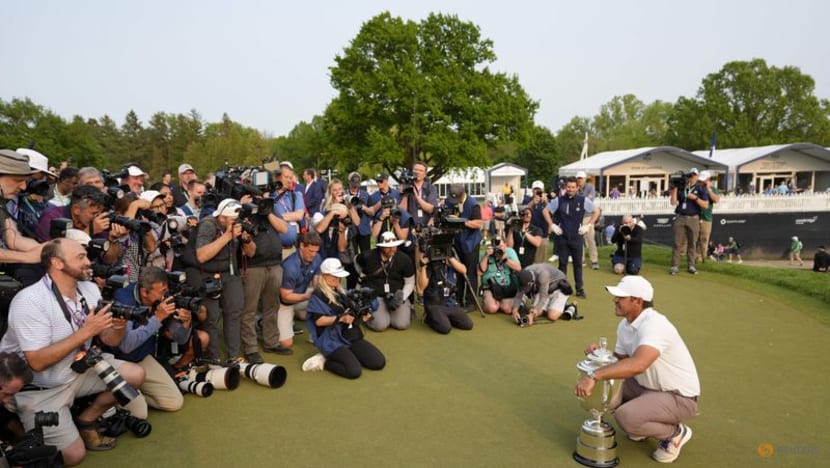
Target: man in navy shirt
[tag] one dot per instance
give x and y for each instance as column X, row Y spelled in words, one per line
column 300, row 272
column 689, row 201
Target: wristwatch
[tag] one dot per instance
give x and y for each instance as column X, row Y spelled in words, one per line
column 590, row 375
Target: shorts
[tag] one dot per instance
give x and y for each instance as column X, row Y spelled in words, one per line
column 556, row 301
column 59, row 399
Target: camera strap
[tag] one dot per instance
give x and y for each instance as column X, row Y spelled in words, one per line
column 74, row 319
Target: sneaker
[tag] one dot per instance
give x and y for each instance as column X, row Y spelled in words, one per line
column 254, row 358
column 669, row 450
column 740, row 261
column 595, row 266
column 634, row 438
column 553, row 258
column 236, row 361
column 93, row 440
column 314, row 363
column 298, row 330
column 673, row 271
column 279, row 350
column 581, row 293
column 692, row 270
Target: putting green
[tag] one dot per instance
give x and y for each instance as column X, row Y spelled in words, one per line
column 501, row 396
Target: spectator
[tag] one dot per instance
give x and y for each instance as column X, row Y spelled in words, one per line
column 821, row 261
column 795, row 251
column 134, row 179
column 314, row 191
column 733, row 248
column 67, row 181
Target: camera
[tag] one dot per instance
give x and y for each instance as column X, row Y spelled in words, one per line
column 222, row 378
column 358, row 301
column 134, row 225
column 213, row 288
column 37, row 187
column 269, row 375
column 186, row 302
column 187, row 385
column 153, row 216
column 406, row 180
column 29, row 449
column 95, row 248
column 437, row 246
column 678, row 179
column 114, row 283
column 137, row 314
column 123, row 421
column 524, row 320
column 514, row 222
column 58, row 227
column 93, row 358
column 99, row 270
column 355, row 202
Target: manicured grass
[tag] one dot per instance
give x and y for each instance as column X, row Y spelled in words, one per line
column 501, row 396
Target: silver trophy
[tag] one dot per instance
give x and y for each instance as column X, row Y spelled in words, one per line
column 596, row 445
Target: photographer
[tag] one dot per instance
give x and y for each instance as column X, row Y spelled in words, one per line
column 67, row 181
column 217, row 243
column 14, row 375
column 359, row 199
column 418, row 197
column 536, row 204
column 193, row 206
column 547, row 288
column 384, row 191
column 524, row 237
column 391, row 219
column 467, row 240
column 391, row 275
column 139, row 241
column 133, row 177
column 705, row 182
column 14, row 248
column 288, row 205
column 51, row 322
column 689, row 199
column 498, row 266
column 161, row 256
column 334, row 221
column 300, row 275
column 629, row 239
column 437, row 279
column 181, row 191
column 141, row 342
column 262, row 282
column 336, row 330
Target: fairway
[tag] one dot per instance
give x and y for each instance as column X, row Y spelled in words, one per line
column 501, row 396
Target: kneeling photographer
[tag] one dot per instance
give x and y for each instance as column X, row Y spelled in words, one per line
column 141, row 341
column 627, row 259
column 498, row 267
column 52, row 323
column 548, row 290
column 334, row 318
column 437, row 278
column 391, row 275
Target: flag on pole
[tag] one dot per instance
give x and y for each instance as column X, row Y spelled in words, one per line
column 584, row 153
column 712, row 144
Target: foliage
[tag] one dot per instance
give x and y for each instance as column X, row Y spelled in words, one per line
column 539, row 155
column 409, row 91
column 751, row 104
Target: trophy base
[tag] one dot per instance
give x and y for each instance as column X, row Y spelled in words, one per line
column 594, row 463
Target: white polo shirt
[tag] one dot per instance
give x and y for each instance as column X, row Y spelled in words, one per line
column 674, row 370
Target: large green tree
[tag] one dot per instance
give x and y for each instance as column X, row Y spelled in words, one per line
column 751, row 104
column 409, row 91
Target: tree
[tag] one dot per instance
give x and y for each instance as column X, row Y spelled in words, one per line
column 409, row 91
column 751, row 104
column 305, row 146
column 570, row 138
column 227, row 142
column 134, row 147
column 540, row 156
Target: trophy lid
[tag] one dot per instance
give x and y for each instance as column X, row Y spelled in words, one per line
column 597, row 358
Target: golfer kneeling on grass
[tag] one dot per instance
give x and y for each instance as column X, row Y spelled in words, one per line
column 336, row 333
column 661, row 385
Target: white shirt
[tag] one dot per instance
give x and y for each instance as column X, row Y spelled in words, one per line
column 674, row 370
column 37, row 321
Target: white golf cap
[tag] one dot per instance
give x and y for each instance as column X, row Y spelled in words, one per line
column 332, row 266
column 632, row 286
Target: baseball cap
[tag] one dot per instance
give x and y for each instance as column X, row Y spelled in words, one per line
column 287, row 164
column 79, row 236
column 704, row 176
column 37, row 161
column 388, row 239
column 185, row 167
column 632, row 286
column 150, row 195
column 332, row 266
column 354, row 179
column 693, row 171
column 456, row 193
column 538, row 184
column 581, row 175
column 381, row 176
column 135, row 171
column 228, row 207
column 525, row 278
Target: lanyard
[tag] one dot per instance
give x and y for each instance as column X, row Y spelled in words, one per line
column 72, row 315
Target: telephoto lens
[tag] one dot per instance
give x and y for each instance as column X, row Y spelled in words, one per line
column 270, row 375
column 202, row 389
column 223, row 378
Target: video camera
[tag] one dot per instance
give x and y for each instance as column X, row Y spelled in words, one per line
column 678, row 180
column 406, row 180
column 30, row 449
column 523, row 320
column 437, row 245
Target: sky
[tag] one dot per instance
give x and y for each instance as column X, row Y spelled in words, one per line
column 266, row 63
